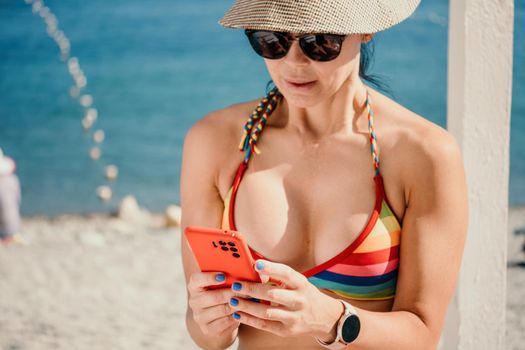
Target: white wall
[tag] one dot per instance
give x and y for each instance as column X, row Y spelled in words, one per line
column 479, row 95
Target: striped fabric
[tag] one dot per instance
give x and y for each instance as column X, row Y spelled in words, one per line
column 367, row 268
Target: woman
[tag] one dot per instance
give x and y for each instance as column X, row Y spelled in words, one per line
column 9, row 201
column 365, row 250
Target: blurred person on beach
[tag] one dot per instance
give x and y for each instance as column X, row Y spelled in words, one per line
column 354, row 205
column 9, row 201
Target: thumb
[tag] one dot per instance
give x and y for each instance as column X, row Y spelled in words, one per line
column 259, row 266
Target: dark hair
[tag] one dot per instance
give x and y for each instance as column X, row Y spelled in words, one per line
column 367, row 55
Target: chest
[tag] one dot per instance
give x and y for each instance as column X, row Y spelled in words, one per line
column 301, row 216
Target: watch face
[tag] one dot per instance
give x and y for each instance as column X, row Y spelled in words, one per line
column 350, row 329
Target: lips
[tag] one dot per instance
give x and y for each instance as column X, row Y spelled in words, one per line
column 299, row 82
column 300, row 85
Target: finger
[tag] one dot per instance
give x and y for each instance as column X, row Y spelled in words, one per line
column 222, row 325
column 274, row 327
column 271, row 313
column 209, row 314
column 200, row 280
column 246, row 289
column 288, row 298
column 276, row 295
column 210, row 298
column 228, row 330
column 280, row 273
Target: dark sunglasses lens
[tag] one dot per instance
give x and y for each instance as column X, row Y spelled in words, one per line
column 268, row 44
column 322, row 47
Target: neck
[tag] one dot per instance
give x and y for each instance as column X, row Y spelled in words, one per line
column 333, row 116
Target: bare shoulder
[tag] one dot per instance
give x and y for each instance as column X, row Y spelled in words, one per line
column 218, row 128
column 214, row 138
column 414, row 147
column 225, row 119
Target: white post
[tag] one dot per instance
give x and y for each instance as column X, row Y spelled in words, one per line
column 479, row 96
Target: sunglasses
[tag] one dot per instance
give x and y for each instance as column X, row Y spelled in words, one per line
column 275, row 45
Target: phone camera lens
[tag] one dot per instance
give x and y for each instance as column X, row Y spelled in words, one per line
column 233, row 249
column 236, row 255
column 224, row 248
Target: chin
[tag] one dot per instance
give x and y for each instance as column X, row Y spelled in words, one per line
column 301, row 101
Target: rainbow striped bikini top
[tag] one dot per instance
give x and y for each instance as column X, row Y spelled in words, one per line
column 367, row 268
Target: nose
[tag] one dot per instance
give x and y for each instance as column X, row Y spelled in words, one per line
column 295, row 54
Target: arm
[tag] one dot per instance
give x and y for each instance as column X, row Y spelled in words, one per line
column 201, row 205
column 432, row 241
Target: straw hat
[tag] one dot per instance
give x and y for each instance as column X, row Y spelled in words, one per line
column 7, row 165
column 318, row 16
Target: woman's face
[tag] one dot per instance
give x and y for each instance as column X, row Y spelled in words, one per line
column 326, row 77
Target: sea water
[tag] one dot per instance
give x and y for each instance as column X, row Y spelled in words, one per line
column 153, row 69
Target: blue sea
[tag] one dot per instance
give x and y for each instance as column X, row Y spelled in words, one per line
column 154, row 68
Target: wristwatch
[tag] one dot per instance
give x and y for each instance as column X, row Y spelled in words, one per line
column 348, row 327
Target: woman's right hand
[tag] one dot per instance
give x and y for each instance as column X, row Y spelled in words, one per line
column 211, row 307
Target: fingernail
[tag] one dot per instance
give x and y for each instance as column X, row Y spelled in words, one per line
column 259, row 265
column 236, row 286
column 236, row 316
column 219, row 277
column 234, row 302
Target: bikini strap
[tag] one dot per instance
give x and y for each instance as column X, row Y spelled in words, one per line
column 260, row 116
column 373, row 141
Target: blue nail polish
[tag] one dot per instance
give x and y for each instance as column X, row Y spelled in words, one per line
column 219, row 277
column 236, row 286
column 259, row 265
column 234, row 302
column 236, row 316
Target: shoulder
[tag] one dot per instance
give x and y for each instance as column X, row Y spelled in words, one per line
column 213, row 140
column 220, row 127
column 418, row 149
column 225, row 119
column 429, row 150
column 423, row 142
column 433, row 162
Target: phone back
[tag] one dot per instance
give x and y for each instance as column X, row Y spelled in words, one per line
column 222, row 250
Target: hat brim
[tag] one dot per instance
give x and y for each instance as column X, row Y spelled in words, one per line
column 318, row 16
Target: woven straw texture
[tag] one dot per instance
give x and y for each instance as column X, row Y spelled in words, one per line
column 318, row 16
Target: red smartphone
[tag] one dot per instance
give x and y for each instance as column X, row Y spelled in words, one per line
column 222, row 250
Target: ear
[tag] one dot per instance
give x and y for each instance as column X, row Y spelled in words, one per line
column 365, row 38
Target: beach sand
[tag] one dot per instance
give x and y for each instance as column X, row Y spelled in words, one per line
column 98, row 282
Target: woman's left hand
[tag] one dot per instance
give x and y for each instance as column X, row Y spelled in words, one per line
column 298, row 307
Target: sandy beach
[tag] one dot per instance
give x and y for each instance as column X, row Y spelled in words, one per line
column 99, row 282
